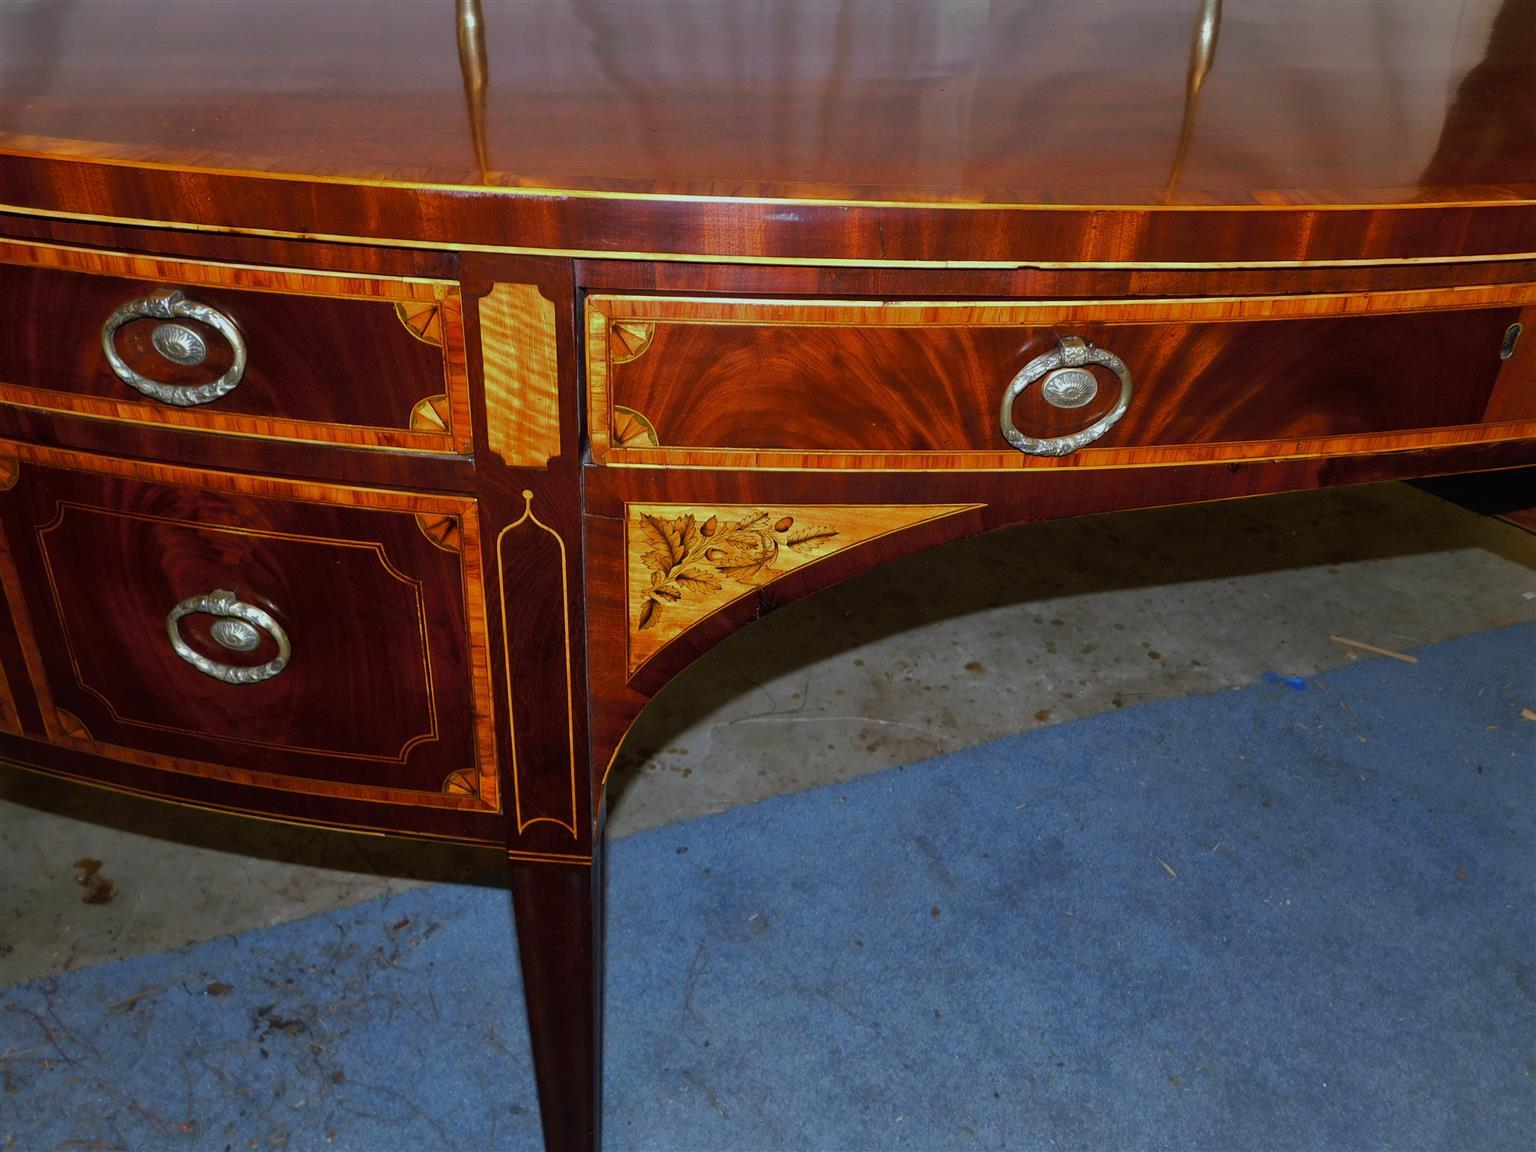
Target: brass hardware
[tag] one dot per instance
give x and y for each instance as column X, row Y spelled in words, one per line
column 1069, row 388
column 178, row 343
column 470, row 26
column 1202, row 56
column 1064, row 370
column 1511, row 338
column 235, row 635
column 236, row 630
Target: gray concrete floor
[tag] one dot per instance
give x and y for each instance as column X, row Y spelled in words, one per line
column 1030, row 626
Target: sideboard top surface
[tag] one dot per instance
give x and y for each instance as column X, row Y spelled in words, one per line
column 917, row 109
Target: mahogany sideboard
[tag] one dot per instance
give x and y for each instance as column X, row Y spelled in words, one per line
column 393, row 397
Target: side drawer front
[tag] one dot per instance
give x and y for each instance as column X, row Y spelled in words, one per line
column 384, row 695
column 852, row 384
column 368, row 361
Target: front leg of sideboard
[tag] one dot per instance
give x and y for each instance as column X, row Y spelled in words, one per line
column 553, row 833
column 529, row 498
column 554, row 838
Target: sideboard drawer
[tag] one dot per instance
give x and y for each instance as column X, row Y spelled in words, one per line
column 851, row 384
column 368, row 361
column 260, row 632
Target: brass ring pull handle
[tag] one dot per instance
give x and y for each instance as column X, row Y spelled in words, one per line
column 178, row 343
column 235, row 629
column 1068, row 384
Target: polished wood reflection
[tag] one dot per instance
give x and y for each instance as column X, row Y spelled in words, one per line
column 813, row 241
column 1303, row 105
column 910, row 101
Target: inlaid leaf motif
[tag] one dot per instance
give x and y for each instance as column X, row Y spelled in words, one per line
column 688, row 560
column 700, row 579
column 753, row 572
column 672, row 539
column 807, row 539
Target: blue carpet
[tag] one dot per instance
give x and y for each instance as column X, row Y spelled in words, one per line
column 1276, row 918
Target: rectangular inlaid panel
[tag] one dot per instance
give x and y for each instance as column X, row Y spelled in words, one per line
column 840, row 384
column 368, row 361
column 364, row 663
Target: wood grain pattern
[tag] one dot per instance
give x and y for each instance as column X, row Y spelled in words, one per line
column 533, row 571
column 1085, row 462
column 329, row 362
column 786, row 384
column 685, row 562
column 86, row 530
column 1306, row 259
column 559, row 911
column 522, row 384
column 907, row 313
column 314, row 463
column 907, row 143
column 204, row 792
column 918, row 101
column 875, row 283
column 275, row 487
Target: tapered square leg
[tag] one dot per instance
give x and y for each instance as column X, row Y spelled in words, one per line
column 559, row 938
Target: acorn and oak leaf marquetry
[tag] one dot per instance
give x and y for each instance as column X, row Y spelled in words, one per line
column 685, row 562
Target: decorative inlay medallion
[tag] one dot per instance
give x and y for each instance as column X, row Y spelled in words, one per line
column 443, row 531
column 423, row 319
column 632, row 430
column 70, row 725
column 459, row 783
column 430, row 414
column 628, row 339
column 685, row 561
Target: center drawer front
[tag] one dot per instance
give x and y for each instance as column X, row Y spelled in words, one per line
column 369, row 361
column 853, row 384
column 383, row 673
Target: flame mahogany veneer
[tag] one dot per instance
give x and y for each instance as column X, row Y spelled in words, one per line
column 546, row 399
